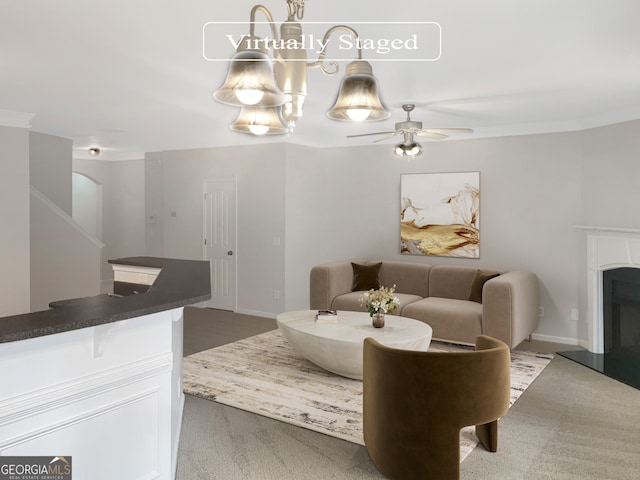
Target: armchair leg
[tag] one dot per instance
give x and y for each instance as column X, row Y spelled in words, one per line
column 488, row 435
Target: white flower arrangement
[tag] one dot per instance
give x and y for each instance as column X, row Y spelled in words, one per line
column 382, row 300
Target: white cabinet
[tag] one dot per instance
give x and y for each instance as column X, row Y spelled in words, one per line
column 109, row 396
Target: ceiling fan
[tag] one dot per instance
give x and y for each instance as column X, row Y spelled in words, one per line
column 409, row 147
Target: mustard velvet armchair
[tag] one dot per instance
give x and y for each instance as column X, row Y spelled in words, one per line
column 415, row 403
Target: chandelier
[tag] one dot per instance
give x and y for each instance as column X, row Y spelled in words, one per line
column 271, row 93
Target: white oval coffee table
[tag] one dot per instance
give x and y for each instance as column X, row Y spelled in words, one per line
column 337, row 347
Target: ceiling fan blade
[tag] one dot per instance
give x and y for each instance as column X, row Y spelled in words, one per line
column 386, row 138
column 369, row 134
column 448, row 130
column 433, row 135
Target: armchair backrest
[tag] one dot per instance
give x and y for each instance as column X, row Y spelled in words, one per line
column 415, row 403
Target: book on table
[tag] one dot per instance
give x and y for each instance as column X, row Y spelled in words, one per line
column 327, row 316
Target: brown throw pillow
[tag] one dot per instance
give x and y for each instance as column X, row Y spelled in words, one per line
column 475, row 295
column 365, row 277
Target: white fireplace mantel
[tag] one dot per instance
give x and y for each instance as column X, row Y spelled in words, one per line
column 607, row 248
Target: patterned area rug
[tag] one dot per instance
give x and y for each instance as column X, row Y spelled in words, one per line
column 265, row 375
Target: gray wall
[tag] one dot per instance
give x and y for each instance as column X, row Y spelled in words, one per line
column 260, row 175
column 14, row 221
column 123, row 190
column 610, row 174
column 50, row 168
column 65, row 260
column 345, row 203
column 338, row 203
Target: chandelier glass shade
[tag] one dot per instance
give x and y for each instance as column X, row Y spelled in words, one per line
column 255, row 80
column 259, row 121
column 358, row 98
column 250, row 81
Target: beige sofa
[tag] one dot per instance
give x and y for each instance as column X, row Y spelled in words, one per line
column 439, row 296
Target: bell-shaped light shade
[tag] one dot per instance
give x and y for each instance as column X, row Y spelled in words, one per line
column 259, row 121
column 250, row 81
column 410, row 150
column 359, row 98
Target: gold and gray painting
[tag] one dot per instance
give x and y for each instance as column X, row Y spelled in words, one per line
column 440, row 214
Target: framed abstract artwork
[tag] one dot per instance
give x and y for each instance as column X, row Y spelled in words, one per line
column 440, row 214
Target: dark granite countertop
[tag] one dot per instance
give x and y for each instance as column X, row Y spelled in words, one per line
column 180, row 283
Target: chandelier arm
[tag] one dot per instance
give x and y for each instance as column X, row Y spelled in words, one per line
column 267, row 13
column 325, row 41
column 296, row 9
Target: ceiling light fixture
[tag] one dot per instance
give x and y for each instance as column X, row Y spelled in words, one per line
column 259, row 121
column 254, row 81
column 94, row 151
column 409, row 148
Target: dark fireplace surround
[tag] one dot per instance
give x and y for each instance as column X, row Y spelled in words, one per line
column 621, row 310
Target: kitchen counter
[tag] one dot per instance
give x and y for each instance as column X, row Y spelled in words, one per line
column 180, row 283
column 101, row 377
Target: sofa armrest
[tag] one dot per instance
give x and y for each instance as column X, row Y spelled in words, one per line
column 510, row 306
column 327, row 281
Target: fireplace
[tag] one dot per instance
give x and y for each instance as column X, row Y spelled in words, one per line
column 621, row 310
column 613, row 304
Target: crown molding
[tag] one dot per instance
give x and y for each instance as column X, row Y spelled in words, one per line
column 9, row 118
column 107, row 155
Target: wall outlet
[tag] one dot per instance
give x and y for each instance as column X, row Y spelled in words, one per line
column 541, row 311
column 276, row 294
column 575, row 314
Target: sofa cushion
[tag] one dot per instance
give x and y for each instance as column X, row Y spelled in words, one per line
column 408, row 277
column 475, row 294
column 365, row 277
column 450, row 319
column 351, row 301
column 452, row 281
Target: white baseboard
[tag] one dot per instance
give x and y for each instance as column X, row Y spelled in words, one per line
column 554, row 339
column 256, row 313
column 584, row 344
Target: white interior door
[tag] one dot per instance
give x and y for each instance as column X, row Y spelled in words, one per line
column 220, row 240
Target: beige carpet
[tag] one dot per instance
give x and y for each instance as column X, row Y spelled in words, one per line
column 264, row 375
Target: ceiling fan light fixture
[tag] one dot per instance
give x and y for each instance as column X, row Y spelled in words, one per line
column 250, row 81
column 359, row 98
column 410, row 150
column 259, row 121
column 409, row 128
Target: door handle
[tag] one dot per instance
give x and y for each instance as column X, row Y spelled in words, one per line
column 230, row 252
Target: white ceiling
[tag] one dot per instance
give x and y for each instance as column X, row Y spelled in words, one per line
column 129, row 76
